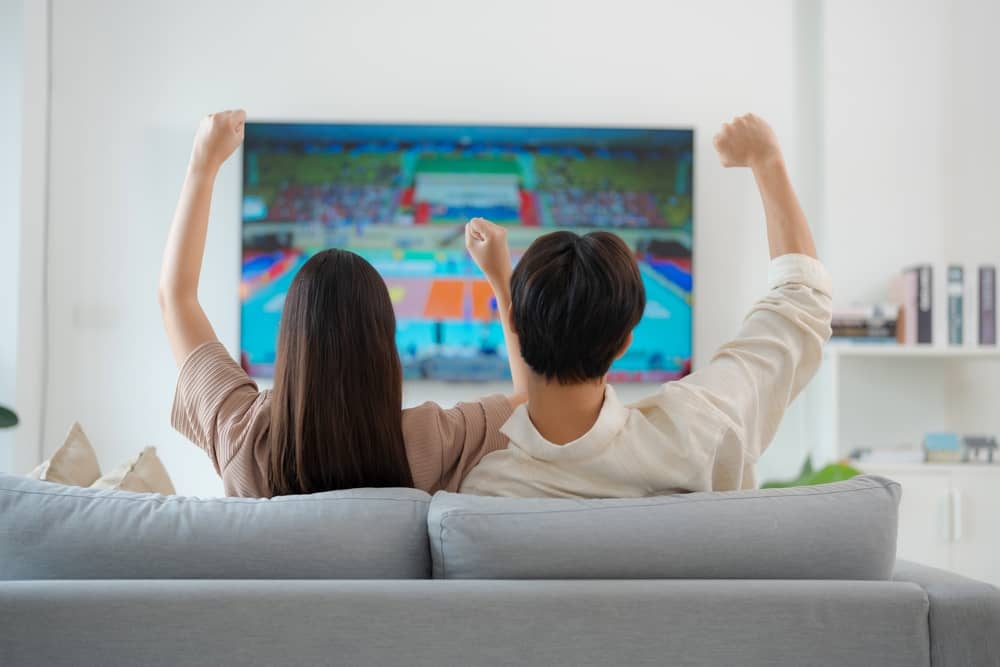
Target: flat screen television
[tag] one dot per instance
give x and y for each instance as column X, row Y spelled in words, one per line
column 398, row 195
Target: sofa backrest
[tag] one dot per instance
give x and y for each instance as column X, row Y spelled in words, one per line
column 49, row 531
column 845, row 530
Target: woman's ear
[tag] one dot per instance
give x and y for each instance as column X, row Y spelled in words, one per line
column 625, row 347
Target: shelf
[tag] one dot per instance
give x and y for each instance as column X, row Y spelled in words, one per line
column 877, row 466
column 887, row 350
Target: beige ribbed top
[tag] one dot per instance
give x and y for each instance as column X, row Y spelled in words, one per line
column 219, row 408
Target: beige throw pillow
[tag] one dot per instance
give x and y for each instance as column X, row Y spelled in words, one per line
column 73, row 464
column 143, row 474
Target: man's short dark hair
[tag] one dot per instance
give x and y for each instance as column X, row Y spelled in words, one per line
column 575, row 300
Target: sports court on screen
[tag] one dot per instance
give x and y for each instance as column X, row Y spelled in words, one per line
column 399, row 195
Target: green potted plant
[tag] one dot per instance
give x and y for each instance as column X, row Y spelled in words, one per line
column 7, row 417
column 835, row 472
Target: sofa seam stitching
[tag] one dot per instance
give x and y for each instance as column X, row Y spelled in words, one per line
column 231, row 500
column 679, row 500
column 444, row 561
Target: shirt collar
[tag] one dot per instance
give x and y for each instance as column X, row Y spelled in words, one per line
column 525, row 436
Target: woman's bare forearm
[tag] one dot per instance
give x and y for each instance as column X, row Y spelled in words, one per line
column 185, row 322
column 219, row 135
column 787, row 227
column 185, row 249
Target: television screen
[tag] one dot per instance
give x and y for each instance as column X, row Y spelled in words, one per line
column 399, row 195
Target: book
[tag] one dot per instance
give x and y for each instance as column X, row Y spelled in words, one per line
column 920, row 305
column 909, row 306
column 956, row 306
column 971, row 306
column 987, row 305
column 875, row 322
column 925, row 305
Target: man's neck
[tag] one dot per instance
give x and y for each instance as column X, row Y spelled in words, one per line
column 563, row 412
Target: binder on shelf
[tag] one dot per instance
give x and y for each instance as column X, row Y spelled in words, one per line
column 987, row 305
column 956, row 306
column 920, row 303
column 909, row 308
column 971, row 306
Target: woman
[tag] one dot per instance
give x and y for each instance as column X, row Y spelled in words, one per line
column 334, row 419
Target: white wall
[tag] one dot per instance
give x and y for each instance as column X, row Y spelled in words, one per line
column 910, row 146
column 11, row 67
column 130, row 81
column 910, row 138
column 972, row 230
column 885, row 68
column 29, row 285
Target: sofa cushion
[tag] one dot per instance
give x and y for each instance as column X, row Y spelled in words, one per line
column 50, row 531
column 675, row 623
column 845, row 530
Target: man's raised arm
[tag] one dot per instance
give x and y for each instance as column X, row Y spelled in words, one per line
column 748, row 141
column 751, row 380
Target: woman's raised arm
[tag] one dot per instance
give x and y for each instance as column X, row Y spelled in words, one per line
column 187, row 327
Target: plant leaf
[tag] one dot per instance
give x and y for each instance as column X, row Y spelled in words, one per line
column 835, row 472
column 7, row 417
column 807, row 468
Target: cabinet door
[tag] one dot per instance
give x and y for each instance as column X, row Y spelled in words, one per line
column 976, row 550
column 925, row 530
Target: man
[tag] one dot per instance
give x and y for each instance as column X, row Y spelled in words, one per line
column 574, row 301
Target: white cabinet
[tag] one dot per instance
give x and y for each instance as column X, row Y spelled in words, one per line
column 976, row 549
column 876, row 396
column 949, row 516
column 924, row 516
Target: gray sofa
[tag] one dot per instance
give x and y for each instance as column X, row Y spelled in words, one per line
column 803, row 576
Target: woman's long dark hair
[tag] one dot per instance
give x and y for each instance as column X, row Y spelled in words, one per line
column 337, row 397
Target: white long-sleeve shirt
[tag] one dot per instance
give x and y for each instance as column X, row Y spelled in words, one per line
column 702, row 433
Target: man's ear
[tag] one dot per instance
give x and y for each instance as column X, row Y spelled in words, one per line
column 625, row 347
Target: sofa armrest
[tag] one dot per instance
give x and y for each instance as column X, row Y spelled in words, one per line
column 964, row 615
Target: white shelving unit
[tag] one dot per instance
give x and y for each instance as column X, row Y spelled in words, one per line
column 876, row 350
column 879, row 395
